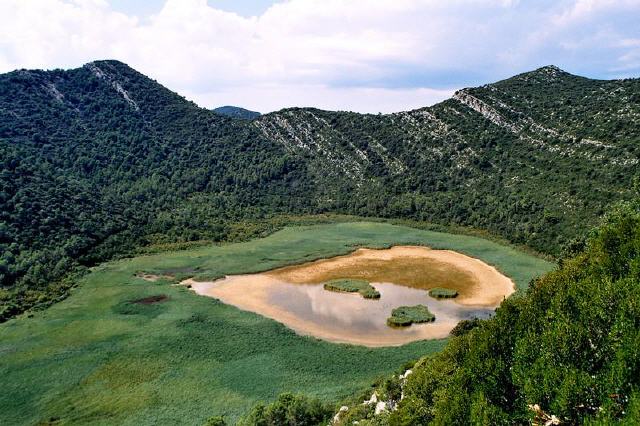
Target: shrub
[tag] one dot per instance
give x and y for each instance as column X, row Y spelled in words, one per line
column 215, row 421
column 465, row 326
column 443, row 293
column 289, row 409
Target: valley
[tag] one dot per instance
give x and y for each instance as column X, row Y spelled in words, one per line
column 340, row 251
column 519, row 159
column 131, row 346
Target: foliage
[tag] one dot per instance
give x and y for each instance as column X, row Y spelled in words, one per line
column 216, row 421
column 442, row 293
column 465, row 326
column 289, row 410
column 365, row 289
column 403, row 316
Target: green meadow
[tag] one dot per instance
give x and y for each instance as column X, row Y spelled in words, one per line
column 123, row 350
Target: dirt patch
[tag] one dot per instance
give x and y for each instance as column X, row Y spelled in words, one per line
column 159, row 298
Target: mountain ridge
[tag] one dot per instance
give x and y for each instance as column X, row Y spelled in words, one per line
column 531, row 159
column 237, row 112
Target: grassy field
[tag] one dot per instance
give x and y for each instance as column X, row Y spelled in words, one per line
column 177, row 358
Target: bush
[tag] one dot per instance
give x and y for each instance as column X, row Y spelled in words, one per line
column 215, row 421
column 289, row 409
column 465, row 326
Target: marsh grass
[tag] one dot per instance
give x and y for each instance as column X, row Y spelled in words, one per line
column 365, row 289
column 98, row 358
column 404, row 316
column 443, row 293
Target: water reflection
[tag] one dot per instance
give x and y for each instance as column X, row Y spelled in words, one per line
column 346, row 313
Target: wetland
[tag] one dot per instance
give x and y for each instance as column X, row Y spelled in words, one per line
column 297, row 295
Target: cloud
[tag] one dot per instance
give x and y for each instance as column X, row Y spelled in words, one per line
column 383, row 55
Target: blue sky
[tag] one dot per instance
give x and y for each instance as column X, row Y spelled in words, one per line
column 361, row 55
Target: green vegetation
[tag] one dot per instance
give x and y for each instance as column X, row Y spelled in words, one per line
column 289, row 409
column 442, row 293
column 101, row 162
column 103, row 356
column 216, row 421
column 87, row 174
column 404, row 316
column 365, row 289
column 568, row 347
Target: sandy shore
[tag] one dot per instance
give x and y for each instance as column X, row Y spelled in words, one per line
column 486, row 286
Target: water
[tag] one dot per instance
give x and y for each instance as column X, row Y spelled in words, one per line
column 350, row 313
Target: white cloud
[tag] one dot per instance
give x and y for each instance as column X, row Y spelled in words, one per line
column 362, row 99
column 383, row 55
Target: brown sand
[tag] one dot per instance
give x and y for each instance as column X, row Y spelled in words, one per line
column 477, row 283
column 411, row 270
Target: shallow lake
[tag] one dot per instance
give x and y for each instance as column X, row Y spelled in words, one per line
column 294, row 296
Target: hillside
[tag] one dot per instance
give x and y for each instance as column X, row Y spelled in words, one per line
column 101, row 159
column 96, row 160
column 535, row 158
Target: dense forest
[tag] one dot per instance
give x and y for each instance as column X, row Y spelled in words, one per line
column 100, row 160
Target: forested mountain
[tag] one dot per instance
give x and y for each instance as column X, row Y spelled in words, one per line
column 534, row 158
column 237, row 112
column 96, row 159
column 100, row 159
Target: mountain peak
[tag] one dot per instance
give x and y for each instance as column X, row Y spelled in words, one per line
column 543, row 75
column 110, row 62
column 550, row 70
column 547, row 73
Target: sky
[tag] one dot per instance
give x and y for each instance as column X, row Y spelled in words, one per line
column 359, row 55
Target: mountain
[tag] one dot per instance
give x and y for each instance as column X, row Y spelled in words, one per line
column 99, row 160
column 96, row 160
column 535, row 158
column 237, row 112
